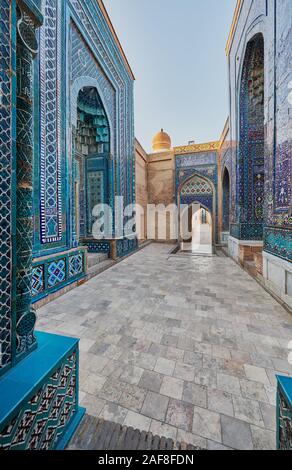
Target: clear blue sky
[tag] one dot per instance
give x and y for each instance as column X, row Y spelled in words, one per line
column 176, row 49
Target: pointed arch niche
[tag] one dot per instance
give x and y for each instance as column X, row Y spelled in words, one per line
column 92, row 149
column 198, row 191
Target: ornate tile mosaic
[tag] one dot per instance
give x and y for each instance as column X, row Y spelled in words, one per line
column 37, row 280
column 5, row 183
column 56, row 272
column 50, row 166
column 76, row 265
column 250, row 166
column 40, row 423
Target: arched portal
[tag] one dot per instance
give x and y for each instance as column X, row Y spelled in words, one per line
column 91, row 158
column 251, row 174
column 226, row 201
column 197, row 207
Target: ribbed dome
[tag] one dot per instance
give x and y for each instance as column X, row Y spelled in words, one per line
column 161, row 142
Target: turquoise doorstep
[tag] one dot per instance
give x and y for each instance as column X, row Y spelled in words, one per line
column 20, row 384
column 286, row 388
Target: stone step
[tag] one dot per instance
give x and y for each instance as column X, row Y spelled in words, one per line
column 99, row 267
column 95, row 258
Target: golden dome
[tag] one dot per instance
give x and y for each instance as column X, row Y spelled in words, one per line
column 161, row 142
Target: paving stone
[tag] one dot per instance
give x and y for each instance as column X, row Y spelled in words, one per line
column 193, row 359
column 176, row 297
column 132, row 375
column 127, row 342
column 113, row 412
column 247, row 410
column 253, row 390
column 229, row 384
column 193, row 439
column 93, row 384
column 257, row 374
column 162, row 429
column 151, row 381
column 211, row 445
column 145, row 361
column 205, row 377
column 111, row 391
column 155, row 406
column 180, row 415
column 236, row 434
column 207, row 424
column 137, row 421
column 271, row 394
column 263, row 439
column 93, row 404
column 169, row 340
column 195, row 394
column 172, row 387
column 269, row 416
column 184, row 372
column 164, row 366
column 132, row 397
column 174, row 354
column 221, row 352
column 220, row 402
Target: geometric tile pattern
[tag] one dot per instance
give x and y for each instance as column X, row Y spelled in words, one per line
column 126, row 246
column 197, row 186
column 37, row 280
column 250, row 168
column 197, row 176
column 5, row 184
column 41, row 421
column 76, row 265
column 277, row 241
column 96, row 246
column 50, row 165
column 122, row 118
column 26, row 48
column 95, row 188
column 283, row 176
column 56, row 272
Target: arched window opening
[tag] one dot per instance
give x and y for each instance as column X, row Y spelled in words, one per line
column 251, row 175
column 226, row 201
column 92, row 149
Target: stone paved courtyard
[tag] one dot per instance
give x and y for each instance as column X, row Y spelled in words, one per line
column 183, row 347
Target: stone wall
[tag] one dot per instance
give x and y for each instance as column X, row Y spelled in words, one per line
column 161, row 186
column 141, row 188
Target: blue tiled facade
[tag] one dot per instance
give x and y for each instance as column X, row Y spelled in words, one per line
column 78, row 56
column 262, row 38
column 258, row 152
column 62, row 70
column 201, row 171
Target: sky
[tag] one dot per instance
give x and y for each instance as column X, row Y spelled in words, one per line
column 176, row 49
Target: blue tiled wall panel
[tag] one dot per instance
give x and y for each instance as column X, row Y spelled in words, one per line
column 6, row 181
column 57, row 272
column 271, row 19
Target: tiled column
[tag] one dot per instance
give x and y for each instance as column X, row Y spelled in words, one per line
column 25, row 315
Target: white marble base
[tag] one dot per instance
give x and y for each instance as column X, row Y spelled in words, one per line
column 278, row 277
column 224, row 238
